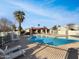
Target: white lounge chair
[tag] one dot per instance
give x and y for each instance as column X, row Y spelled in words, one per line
column 14, row 37
column 12, row 53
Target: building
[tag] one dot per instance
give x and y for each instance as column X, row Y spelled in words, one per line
column 37, row 30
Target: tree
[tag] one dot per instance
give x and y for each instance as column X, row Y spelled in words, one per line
column 71, row 26
column 19, row 17
column 67, row 32
column 5, row 24
column 38, row 25
column 55, row 28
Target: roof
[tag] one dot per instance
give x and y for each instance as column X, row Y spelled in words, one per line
column 39, row 28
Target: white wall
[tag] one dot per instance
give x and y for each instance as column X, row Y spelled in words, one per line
column 3, row 33
column 69, row 32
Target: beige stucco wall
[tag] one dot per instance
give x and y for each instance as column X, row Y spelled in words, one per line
column 27, row 30
column 69, row 32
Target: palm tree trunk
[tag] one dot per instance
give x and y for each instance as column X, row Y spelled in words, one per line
column 56, row 33
column 20, row 28
column 67, row 33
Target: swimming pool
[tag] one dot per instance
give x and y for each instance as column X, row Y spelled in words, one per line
column 51, row 40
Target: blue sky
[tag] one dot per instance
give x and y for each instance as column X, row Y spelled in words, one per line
column 43, row 12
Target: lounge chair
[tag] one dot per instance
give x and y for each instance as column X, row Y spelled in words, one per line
column 12, row 53
column 14, row 36
column 72, row 53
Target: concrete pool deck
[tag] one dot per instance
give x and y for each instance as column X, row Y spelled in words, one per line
column 40, row 51
column 71, row 45
column 50, row 52
column 45, row 52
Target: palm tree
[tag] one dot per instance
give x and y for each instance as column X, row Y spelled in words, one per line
column 71, row 26
column 19, row 17
column 67, row 32
column 38, row 25
column 55, row 28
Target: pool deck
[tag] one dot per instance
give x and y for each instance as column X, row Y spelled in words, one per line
column 37, row 51
column 40, row 51
column 71, row 45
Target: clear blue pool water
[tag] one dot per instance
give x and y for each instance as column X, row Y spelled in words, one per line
column 51, row 40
